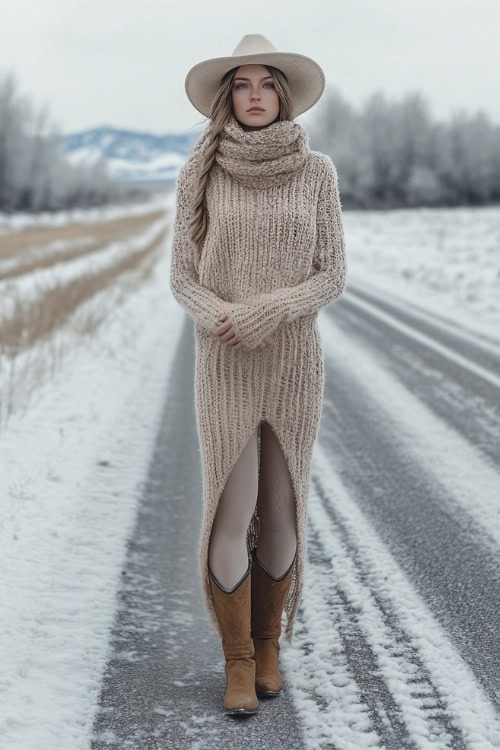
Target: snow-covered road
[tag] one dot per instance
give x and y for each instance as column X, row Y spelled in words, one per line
column 397, row 637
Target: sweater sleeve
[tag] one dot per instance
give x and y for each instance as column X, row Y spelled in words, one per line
column 266, row 311
column 203, row 305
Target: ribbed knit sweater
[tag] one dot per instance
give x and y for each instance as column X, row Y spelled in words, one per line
column 273, row 255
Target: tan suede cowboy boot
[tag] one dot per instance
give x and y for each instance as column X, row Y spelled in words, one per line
column 268, row 600
column 233, row 613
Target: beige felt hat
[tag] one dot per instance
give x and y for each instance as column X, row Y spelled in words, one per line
column 305, row 77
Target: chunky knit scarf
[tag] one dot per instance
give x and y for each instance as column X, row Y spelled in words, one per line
column 265, row 157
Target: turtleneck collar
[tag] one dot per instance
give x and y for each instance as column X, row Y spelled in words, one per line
column 264, row 157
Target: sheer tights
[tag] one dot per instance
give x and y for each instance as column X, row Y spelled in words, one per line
column 270, row 486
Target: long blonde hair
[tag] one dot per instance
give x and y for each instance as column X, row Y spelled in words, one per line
column 220, row 112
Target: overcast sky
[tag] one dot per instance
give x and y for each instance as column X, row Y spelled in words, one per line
column 123, row 62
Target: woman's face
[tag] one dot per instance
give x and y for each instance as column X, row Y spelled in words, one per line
column 253, row 86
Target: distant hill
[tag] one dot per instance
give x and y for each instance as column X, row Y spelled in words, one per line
column 132, row 155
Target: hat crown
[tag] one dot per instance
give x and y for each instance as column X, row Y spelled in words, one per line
column 252, row 44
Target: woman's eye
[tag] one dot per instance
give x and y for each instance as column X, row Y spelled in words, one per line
column 238, row 85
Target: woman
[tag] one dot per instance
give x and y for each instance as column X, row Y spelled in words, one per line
column 257, row 250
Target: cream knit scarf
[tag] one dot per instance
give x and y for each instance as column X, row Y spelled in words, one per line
column 262, row 158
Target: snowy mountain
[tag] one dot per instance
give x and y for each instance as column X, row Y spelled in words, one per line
column 131, row 155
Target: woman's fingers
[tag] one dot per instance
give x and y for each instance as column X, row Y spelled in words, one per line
column 223, row 327
column 233, row 339
column 226, row 332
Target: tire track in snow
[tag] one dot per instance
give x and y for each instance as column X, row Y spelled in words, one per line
column 354, row 580
column 458, row 378
column 396, row 683
column 357, row 679
column 478, row 347
column 428, row 494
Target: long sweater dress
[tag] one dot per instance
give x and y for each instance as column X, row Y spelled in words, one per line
column 273, row 256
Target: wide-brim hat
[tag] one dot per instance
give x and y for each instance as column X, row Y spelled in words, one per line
column 306, row 78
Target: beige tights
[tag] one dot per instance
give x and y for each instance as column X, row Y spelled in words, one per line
column 270, row 486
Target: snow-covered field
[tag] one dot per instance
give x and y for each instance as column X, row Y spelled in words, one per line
column 447, row 260
column 73, row 464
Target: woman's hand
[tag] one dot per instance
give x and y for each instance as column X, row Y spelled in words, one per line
column 226, row 333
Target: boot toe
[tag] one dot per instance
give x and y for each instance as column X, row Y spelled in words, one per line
column 240, row 690
column 240, row 703
column 268, row 684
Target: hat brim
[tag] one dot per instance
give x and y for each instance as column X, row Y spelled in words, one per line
column 306, row 78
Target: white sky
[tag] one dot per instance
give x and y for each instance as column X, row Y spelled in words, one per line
column 123, row 62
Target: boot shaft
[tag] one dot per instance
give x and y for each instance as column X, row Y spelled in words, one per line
column 233, row 610
column 268, row 599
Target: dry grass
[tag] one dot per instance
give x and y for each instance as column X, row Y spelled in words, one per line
column 34, row 320
column 39, row 333
column 100, row 236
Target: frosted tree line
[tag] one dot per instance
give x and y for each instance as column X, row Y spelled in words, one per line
column 35, row 175
column 388, row 154
column 393, row 154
